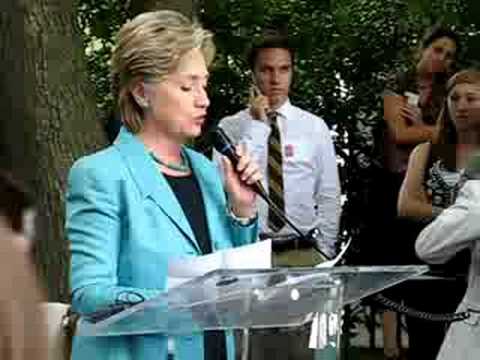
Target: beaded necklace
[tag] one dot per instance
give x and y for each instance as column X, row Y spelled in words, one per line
column 184, row 166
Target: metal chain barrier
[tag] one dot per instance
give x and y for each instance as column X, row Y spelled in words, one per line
column 403, row 309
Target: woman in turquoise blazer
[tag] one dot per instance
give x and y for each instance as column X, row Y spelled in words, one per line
column 129, row 206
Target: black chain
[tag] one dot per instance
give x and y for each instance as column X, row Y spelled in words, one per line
column 403, row 309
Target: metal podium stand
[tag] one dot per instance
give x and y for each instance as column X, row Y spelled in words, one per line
column 249, row 299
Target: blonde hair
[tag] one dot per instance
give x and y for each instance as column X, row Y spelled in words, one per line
column 447, row 131
column 149, row 47
column 468, row 76
column 444, row 144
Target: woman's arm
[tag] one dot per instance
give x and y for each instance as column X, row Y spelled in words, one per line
column 402, row 133
column 413, row 202
column 455, row 229
column 94, row 228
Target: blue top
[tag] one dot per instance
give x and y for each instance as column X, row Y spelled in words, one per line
column 124, row 224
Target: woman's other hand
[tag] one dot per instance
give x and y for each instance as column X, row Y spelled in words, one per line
column 412, row 114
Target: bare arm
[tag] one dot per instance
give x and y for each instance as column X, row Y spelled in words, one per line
column 402, row 132
column 413, row 201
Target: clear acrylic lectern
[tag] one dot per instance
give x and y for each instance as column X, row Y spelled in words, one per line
column 249, row 299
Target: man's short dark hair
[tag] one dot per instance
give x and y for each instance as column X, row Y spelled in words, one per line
column 269, row 42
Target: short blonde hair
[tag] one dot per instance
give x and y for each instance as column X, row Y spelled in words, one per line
column 149, row 47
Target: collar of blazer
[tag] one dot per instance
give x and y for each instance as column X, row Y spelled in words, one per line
column 151, row 183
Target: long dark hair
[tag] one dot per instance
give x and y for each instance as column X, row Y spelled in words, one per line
column 439, row 31
column 434, row 33
column 15, row 199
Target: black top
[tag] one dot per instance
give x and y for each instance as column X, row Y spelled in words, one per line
column 189, row 195
column 443, row 195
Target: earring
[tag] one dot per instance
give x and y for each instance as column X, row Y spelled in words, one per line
column 143, row 103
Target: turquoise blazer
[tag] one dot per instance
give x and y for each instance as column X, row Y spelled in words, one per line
column 124, row 224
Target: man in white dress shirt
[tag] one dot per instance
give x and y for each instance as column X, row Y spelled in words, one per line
column 311, row 187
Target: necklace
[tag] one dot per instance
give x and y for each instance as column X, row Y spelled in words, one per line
column 184, row 166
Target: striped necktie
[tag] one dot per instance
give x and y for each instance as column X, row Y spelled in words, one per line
column 275, row 173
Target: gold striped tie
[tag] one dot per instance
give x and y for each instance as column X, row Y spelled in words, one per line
column 275, row 173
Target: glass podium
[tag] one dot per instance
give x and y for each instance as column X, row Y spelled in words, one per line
column 252, row 299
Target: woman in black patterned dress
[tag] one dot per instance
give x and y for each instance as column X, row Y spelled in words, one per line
column 432, row 181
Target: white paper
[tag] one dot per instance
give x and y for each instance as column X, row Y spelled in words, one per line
column 253, row 256
column 333, row 324
column 318, row 334
column 333, row 262
column 316, row 340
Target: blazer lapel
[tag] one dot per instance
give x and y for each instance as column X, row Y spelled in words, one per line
column 151, row 182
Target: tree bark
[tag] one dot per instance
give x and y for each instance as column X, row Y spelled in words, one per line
column 186, row 7
column 59, row 122
column 15, row 139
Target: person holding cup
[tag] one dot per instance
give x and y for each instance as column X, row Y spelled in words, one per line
column 412, row 103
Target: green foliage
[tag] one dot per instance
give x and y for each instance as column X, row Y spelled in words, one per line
column 99, row 21
column 345, row 49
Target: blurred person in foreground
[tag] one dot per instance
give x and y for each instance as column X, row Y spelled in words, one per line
column 22, row 325
column 148, row 198
column 17, row 211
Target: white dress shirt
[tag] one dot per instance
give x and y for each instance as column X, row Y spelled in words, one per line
column 310, row 175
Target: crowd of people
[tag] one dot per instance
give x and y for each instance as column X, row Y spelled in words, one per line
column 149, row 198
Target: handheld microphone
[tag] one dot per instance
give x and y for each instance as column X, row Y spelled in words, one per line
column 223, row 144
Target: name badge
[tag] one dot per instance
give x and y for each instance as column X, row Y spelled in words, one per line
column 289, row 150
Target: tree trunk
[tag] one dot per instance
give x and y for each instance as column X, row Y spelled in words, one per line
column 15, row 139
column 58, row 122
column 186, row 7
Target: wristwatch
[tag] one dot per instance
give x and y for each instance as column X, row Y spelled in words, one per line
column 243, row 221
